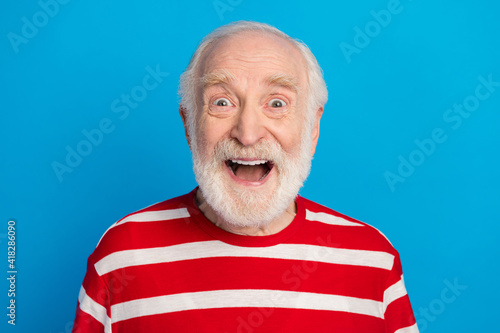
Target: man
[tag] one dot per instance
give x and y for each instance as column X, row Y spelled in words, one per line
column 243, row 252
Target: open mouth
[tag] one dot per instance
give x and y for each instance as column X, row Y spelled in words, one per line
column 250, row 170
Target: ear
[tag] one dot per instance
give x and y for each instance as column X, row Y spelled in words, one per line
column 183, row 113
column 315, row 131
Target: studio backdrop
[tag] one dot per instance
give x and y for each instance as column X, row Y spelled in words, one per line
column 409, row 139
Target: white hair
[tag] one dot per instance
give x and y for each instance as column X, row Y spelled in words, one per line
column 318, row 94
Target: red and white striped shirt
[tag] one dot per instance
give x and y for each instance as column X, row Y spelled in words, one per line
column 166, row 268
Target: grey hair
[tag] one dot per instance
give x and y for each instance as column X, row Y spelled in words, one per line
column 318, row 94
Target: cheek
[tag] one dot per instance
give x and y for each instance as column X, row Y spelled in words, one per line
column 207, row 139
column 213, row 130
column 289, row 137
column 293, row 145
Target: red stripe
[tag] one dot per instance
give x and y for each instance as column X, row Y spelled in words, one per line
column 399, row 314
column 245, row 273
column 207, row 274
column 250, row 320
column 85, row 323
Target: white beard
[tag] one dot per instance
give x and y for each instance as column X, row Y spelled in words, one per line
column 252, row 207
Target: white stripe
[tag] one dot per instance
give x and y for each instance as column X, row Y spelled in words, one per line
column 208, row 249
column 158, row 215
column 394, row 292
column 153, row 216
column 410, row 329
column 94, row 309
column 330, row 219
column 243, row 298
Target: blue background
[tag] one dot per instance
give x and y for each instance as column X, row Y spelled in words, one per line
column 395, row 89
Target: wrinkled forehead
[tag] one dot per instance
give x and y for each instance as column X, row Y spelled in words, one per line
column 254, row 52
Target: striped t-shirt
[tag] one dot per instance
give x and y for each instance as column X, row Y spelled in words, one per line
column 167, row 268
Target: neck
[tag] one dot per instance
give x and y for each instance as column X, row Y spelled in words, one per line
column 271, row 228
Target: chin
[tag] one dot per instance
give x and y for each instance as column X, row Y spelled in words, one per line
column 248, row 206
column 245, row 201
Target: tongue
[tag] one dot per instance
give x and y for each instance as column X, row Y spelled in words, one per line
column 250, row 173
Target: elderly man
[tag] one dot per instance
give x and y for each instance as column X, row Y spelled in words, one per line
column 243, row 252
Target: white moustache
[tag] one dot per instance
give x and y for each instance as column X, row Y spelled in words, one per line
column 231, row 149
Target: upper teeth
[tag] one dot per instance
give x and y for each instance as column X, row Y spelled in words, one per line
column 255, row 162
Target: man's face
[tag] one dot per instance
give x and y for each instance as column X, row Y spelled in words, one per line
column 251, row 146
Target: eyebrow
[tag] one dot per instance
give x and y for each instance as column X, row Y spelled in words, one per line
column 220, row 77
column 283, row 80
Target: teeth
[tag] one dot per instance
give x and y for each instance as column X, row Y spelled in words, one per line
column 256, row 162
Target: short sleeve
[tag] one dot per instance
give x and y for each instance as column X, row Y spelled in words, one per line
column 93, row 309
column 398, row 314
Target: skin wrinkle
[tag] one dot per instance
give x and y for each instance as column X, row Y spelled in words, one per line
column 225, row 77
column 242, row 69
column 259, row 56
column 225, row 82
column 266, row 58
column 290, row 115
column 191, row 99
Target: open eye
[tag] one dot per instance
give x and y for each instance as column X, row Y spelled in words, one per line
column 222, row 102
column 276, row 103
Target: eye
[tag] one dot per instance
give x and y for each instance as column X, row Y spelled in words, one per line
column 222, row 102
column 276, row 103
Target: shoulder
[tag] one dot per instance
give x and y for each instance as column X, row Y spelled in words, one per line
column 345, row 231
column 146, row 227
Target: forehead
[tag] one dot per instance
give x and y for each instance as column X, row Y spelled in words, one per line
column 254, row 53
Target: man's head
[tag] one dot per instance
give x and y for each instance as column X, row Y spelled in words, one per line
column 252, row 98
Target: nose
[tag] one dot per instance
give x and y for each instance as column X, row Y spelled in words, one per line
column 249, row 125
